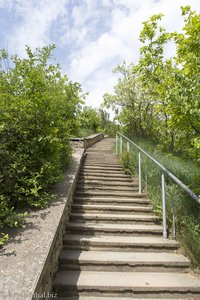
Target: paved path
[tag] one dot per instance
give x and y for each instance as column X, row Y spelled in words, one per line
column 113, row 247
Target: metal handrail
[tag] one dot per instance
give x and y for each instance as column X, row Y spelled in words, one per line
column 178, row 181
column 164, row 172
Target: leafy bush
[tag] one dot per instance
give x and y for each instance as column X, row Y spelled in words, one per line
column 84, row 132
column 38, row 106
column 89, row 118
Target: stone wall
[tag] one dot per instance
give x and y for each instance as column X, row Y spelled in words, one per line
column 86, row 142
column 77, row 142
column 50, row 266
column 92, row 139
column 28, row 262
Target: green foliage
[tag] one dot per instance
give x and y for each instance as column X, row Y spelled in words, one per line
column 158, row 98
column 189, row 233
column 89, row 118
column 129, row 163
column 106, row 125
column 95, row 120
column 84, row 132
column 3, row 238
column 38, row 106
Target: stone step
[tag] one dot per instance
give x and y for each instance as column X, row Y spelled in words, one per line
column 99, row 149
column 104, row 173
column 92, row 208
column 114, row 218
column 125, row 179
column 101, row 161
column 102, row 164
column 115, row 243
column 105, row 183
column 123, row 261
column 87, row 188
column 108, row 194
column 114, row 201
column 115, row 229
column 118, row 284
column 100, row 168
column 101, row 158
column 95, row 150
column 105, row 169
column 101, row 155
column 117, row 298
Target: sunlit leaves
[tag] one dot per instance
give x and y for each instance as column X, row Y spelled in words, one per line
column 160, row 98
column 89, row 118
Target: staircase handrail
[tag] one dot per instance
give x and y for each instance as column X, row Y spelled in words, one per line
column 164, row 170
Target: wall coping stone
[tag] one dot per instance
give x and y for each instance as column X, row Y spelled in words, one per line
column 87, row 141
column 23, row 260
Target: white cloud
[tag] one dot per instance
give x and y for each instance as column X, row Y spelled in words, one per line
column 120, row 42
column 37, row 18
column 94, row 36
column 82, row 13
column 5, row 3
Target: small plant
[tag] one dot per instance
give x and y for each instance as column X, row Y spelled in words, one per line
column 3, row 238
column 126, row 160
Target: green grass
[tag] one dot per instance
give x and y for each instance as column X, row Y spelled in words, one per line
column 186, row 170
column 187, row 211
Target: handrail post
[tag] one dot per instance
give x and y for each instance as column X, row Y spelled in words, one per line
column 139, row 173
column 164, row 207
column 116, row 143
column 173, row 219
column 121, row 146
column 128, row 147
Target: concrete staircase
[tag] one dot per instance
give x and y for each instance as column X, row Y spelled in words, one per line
column 113, row 247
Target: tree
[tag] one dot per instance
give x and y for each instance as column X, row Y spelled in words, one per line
column 158, row 98
column 89, row 118
column 186, row 107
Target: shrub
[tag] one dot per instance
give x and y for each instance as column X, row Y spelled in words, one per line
column 37, row 115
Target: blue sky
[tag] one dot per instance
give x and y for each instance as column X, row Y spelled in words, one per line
column 91, row 36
